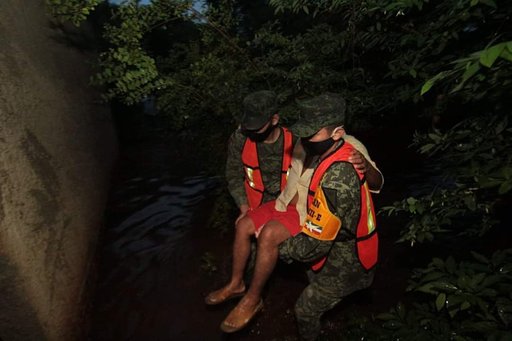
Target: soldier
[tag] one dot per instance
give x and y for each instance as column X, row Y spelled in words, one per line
column 251, row 182
column 339, row 233
column 280, row 220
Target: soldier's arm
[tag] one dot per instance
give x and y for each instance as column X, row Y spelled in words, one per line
column 341, row 188
column 235, row 170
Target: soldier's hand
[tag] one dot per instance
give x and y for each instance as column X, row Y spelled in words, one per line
column 359, row 161
column 243, row 211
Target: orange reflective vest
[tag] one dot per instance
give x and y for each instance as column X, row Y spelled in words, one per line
column 324, row 225
column 254, row 186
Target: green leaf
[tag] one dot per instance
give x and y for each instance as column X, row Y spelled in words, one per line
column 477, row 279
column 470, row 71
column 427, row 86
column 489, row 56
column 507, row 55
column 444, row 285
column 505, row 187
column 490, row 3
column 465, row 305
column 450, row 264
column 440, row 301
column 435, row 137
column 480, row 258
column 424, row 149
column 427, row 289
column 432, row 276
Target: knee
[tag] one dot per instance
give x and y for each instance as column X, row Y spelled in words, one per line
column 273, row 234
column 245, row 226
column 268, row 236
column 302, row 313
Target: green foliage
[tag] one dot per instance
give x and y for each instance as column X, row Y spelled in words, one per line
column 74, row 11
column 127, row 70
column 470, row 300
column 482, row 286
column 476, row 162
column 466, row 68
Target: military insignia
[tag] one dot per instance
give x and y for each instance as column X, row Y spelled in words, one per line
column 313, row 228
column 321, row 223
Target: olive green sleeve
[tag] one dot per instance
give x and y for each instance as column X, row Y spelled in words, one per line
column 341, row 186
column 303, row 248
column 234, row 168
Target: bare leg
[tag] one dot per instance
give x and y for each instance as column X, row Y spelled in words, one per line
column 241, row 251
column 273, row 234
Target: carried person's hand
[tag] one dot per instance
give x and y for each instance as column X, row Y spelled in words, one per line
column 359, row 161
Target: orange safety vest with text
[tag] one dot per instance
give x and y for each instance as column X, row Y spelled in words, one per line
column 322, row 224
column 254, row 186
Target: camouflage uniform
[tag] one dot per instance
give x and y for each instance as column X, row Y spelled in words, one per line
column 342, row 273
column 271, row 153
column 258, row 108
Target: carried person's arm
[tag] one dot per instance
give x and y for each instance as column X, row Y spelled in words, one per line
column 363, row 162
column 373, row 176
column 290, row 190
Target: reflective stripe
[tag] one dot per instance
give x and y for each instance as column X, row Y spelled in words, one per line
column 253, row 182
column 250, row 179
column 371, row 219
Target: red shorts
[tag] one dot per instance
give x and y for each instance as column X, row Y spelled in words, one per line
column 267, row 212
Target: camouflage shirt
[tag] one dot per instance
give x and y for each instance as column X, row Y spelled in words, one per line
column 270, row 153
column 342, row 189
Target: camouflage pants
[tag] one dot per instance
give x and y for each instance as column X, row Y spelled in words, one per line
column 341, row 276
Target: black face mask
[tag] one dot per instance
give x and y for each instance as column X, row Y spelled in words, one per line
column 316, row 148
column 258, row 137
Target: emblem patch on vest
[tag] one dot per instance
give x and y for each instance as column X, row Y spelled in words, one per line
column 321, row 223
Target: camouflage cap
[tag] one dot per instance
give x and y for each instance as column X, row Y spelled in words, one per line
column 318, row 112
column 258, row 106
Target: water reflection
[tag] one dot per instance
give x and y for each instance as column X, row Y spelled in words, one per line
column 145, row 252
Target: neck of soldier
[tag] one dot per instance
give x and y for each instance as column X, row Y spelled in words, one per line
column 274, row 135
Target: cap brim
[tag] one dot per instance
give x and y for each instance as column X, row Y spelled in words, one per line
column 302, row 129
column 254, row 123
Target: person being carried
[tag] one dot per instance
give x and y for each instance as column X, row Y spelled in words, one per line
column 278, row 226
